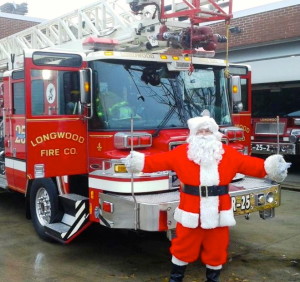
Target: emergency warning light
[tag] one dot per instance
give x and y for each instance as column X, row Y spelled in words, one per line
column 235, row 85
column 124, row 140
column 85, row 86
column 99, row 44
column 233, row 133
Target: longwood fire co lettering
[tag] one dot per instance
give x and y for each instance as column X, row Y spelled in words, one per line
column 51, row 152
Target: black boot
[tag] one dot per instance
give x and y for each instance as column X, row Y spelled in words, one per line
column 177, row 273
column 212, row 275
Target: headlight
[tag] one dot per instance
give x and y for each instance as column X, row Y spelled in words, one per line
column 293, row 139
column 261, row 199
column 270, row 198
column 297, row 121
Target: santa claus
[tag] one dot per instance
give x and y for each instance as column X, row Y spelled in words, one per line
column 205, row 167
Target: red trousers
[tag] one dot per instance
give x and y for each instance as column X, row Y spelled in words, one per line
column 208, row 245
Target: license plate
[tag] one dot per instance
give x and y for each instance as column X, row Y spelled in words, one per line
column 242, row 204
column 285, row 148
column 262, row 147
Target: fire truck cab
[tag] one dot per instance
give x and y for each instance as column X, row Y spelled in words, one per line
column 276, row 119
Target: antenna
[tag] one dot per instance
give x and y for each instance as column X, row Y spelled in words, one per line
column 278, row 146
column 132, row 180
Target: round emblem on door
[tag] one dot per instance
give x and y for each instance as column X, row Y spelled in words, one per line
column 50, row 93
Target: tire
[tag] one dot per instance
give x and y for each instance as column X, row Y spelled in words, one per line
column 43, row 205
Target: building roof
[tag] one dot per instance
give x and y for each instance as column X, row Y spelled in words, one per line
column 265, row 8
column 20, row 17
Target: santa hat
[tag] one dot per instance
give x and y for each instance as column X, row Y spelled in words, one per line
column 204, row 122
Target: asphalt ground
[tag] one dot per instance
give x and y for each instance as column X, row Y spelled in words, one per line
column 292, row 181
column 260, row 250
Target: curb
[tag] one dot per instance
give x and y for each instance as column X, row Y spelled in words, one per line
column 291, row 186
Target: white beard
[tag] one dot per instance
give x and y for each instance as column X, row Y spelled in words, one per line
column 204, row 150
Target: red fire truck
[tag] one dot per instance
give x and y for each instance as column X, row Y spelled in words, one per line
column 70, row 114
column 276, row 119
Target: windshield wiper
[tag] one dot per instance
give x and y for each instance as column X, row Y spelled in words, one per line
column 178, row 104
column 178, row 100
column 164, row 121
column 133, row 80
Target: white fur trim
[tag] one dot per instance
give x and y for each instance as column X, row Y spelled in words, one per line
column 209, row 175
column 187, row 219
column 134, row 162
column 276, row 168
column 179, row 262
column 209, row 214
column 227, row 218
column 214, row 267
column 209, row 217
column 204, row 122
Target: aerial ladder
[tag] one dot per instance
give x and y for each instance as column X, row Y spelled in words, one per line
column 149, row 25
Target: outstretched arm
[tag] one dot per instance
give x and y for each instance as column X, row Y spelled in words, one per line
column 136, row 162
column 274, row 167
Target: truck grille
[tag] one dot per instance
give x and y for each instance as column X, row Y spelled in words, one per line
column 269, row 128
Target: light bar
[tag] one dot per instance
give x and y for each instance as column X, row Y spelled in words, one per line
column 124, row 140
column 99, row 44
column 233, row 133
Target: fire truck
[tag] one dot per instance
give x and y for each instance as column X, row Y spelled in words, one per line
column 276, row 119
column 79, row 92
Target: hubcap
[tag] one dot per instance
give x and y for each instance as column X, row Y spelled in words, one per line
column 43, row 206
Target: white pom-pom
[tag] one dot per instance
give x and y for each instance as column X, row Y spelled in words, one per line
column 276, row 167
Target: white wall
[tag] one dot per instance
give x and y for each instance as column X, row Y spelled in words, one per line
column 275, row 70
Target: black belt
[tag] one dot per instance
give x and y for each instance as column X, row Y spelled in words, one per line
column 205, row 191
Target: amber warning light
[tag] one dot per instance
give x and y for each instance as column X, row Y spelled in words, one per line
column 235, row 89
column 86, row 86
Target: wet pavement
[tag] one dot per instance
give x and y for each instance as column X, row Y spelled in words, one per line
column 260, row 250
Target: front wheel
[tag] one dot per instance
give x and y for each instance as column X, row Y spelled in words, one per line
column 43, row 205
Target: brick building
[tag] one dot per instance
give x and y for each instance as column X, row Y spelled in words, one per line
column 12, row 23
column 268, row 39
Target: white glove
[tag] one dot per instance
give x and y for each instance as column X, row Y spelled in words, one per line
column 134, row 162
column 276, row 167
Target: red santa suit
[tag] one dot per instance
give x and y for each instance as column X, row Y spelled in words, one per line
column 203, row 221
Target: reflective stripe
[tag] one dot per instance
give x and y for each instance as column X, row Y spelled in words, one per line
column 15, row 164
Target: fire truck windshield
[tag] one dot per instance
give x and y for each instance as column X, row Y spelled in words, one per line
column 154, row 96
column 282, row 102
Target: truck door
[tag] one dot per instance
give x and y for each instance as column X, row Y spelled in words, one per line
column 242, row 117
column 14, row 125
column 56, row 129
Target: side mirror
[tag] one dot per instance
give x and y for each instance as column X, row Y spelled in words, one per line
column 85, row 86
column 236, row 93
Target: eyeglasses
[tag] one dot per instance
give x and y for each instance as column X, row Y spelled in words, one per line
column 203, row 131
